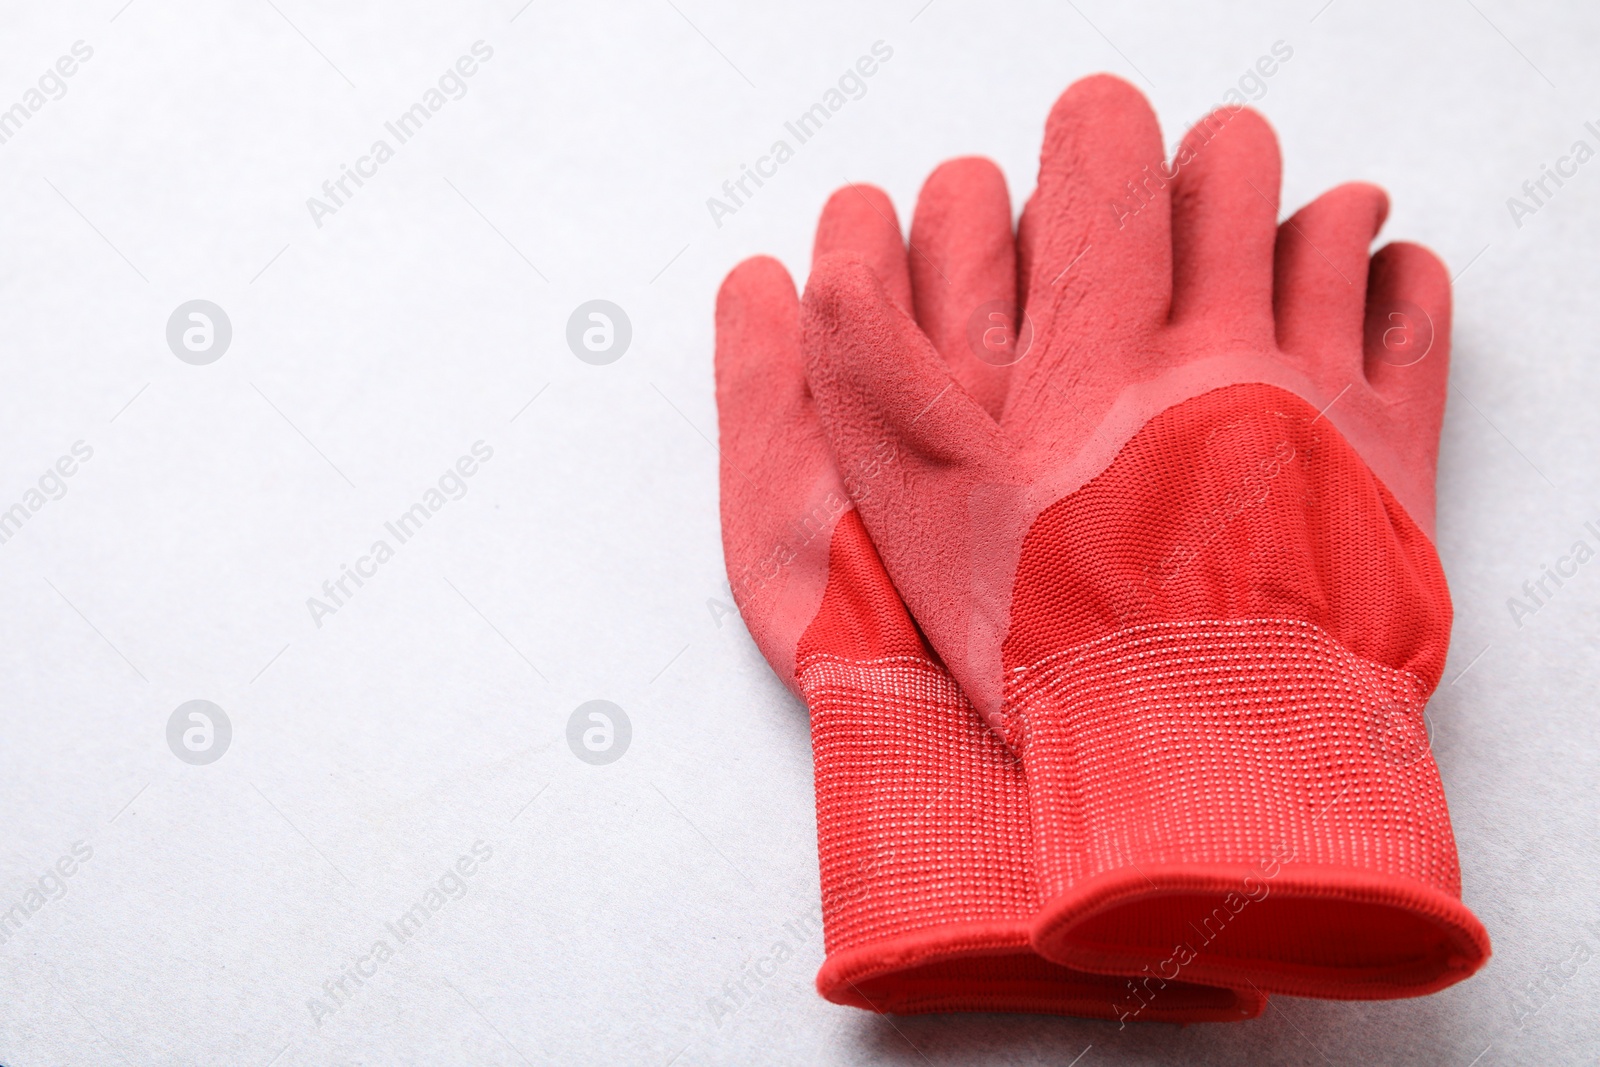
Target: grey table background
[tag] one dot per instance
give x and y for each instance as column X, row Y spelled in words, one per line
column 429, row 713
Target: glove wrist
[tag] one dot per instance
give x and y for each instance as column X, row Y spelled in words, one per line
column 1246, row 793
column 924, row 848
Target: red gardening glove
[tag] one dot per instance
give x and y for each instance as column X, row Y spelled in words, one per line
column 1187, row 574
column 923, row 835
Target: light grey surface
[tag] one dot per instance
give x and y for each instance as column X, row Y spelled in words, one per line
column 583, row 563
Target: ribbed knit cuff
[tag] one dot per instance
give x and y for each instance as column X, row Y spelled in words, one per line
column 1240, row 801
column 926, row 850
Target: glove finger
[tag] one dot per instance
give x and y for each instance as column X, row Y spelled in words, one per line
column 1320, row 282
column 963, row 276
column 780, row 491
column 1224, row 225
column 1098, row 229
column 860, row 218
column 1407, row 346
column 889, row 403
column 1096, row 237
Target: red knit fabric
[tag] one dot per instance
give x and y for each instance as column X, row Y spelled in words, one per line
column 1240, row 503
column 1220, row 651
column 1250, row 764
column 923, row 830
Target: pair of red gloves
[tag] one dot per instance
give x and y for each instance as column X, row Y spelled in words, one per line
column 1101, row 555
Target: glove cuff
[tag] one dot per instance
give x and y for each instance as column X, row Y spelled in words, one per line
column 1227, row 800
column 925, row 850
